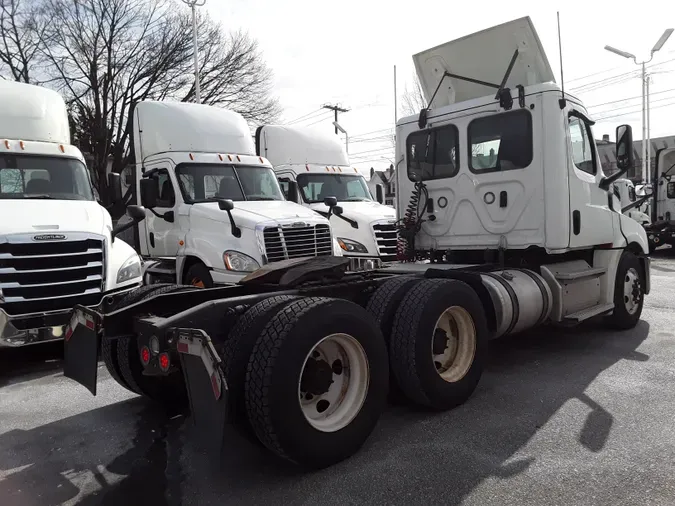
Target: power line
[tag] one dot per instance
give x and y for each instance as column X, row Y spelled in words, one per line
column 336, row 109
column 633, row 112
column 636, row 105
column 627, row 99
column 319, row 120
column 304, row 116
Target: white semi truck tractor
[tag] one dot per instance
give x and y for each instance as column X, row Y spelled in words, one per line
column 312, row 166
column 508, row 222
column 58, row 247
column 660, row 198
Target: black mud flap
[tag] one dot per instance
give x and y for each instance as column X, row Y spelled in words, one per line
column 207, row 390
column 81, row 344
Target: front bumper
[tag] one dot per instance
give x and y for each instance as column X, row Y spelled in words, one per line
column 26, row 329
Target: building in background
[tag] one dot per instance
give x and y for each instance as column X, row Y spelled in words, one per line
column 608, row 155
column 387, row 178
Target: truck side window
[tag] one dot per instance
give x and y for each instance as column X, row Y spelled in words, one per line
column 433, row 153
column 583, row 154
column 500, row 142
column 284, row 183
column 631, row 194
column 167, row 196
column 670, row 190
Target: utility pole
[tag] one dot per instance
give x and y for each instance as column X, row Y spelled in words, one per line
column 649, row 135
column 645, row 174
column 193, row 4
column 336, row 109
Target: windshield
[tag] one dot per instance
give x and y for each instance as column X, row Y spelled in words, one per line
column 203, row 183
column 43, row 177
column 346, row 188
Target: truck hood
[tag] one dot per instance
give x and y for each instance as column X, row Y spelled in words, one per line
column 248, row 214
column 35, row 216
column 362, row 212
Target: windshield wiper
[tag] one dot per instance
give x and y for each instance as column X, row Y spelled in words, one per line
column 45, row 196
column 356, row 199
column 261, row 198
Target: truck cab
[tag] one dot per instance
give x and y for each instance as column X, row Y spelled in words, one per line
column 628, row 197
column 57, row 243
column 662, row 203
column 215, row 211
column 312, row 166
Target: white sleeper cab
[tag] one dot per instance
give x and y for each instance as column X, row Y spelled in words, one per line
column 214, row 209
column 57, row 243
column 313, row 168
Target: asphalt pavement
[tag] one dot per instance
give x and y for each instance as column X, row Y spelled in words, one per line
column 561, row 417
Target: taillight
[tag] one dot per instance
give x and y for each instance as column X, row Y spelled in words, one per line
column 164, row 361
column 145, row 355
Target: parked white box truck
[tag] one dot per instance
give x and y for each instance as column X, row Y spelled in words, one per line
column 312, row 166
column 57, row 243
column 214, row 209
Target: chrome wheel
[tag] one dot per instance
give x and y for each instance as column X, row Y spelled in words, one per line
column 333, row 382
column 453, row 344
column 632, row 291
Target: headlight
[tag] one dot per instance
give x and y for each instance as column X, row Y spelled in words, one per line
column 236, row 261
column 351, row 246
column 130, row 269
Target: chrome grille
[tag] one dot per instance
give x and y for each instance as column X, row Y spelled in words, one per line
column 286, row 242
column 38, row 277
column 386, row 237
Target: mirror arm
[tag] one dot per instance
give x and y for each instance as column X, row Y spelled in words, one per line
column 236, row 231
column 637, row 203
column 121, row 228
column 606, row 181
column 353, row 223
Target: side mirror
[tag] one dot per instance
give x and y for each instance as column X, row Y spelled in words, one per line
column 115, row 186
column 330, row 201
column 225, row 205
column 292, row 191
column 379, row 193
column 624, row 147
column 149, row 192
column 624, row 155
column 337, row 210
column 136, row 213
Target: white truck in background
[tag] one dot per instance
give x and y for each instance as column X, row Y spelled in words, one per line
column 628, row 196
column 660, row 199
column 57, row 243
column 312, row 166
column 214, row 209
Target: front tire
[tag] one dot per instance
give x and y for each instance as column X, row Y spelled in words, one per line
column 628, row 293
column 317, row 381
column 199, row 275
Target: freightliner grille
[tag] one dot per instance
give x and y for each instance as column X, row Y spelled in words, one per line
column 385, row 236
column 286, row 242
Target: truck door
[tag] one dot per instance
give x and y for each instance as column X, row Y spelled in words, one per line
column 591, row 219
column 664, row 185
column 163, row 235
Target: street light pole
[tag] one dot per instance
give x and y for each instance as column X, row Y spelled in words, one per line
column 646, row 152
column 193, row 4
column 338, row 127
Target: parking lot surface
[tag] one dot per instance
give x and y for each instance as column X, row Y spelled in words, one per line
column 561, row 417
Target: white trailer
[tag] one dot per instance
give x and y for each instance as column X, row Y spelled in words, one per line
column 57, row 243
column 313, row 166
column 510, row 224
column 214, row 209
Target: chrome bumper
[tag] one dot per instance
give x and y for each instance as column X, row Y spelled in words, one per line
column 26, row 329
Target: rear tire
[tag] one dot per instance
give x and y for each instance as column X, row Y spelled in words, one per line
column 628, row 293
column 439, row 324
column 294, row 353
column 169, row 390
column 109, row 347
column 237, row 352
column 383, row 305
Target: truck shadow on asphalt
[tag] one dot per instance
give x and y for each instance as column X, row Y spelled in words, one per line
column 413, row 457
column 31, row 362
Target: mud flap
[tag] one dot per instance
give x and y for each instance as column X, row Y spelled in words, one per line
column 81, row 345
column 207, row 389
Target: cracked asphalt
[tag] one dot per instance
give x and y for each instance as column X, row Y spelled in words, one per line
column 561, row 417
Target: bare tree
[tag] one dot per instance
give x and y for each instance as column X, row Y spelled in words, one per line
column 20, row 31
column 413, row 97
column 105, row 55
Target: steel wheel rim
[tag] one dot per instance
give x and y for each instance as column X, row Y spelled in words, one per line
column 632, row 291
column 348, row 389
column 456, row 327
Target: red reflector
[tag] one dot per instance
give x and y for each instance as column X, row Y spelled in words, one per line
column 214, row 385
column 183, row 348
column 90, row 324
column 69, row 332
column 164, row 362
column 145, row 355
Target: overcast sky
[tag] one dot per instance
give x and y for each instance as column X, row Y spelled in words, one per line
column 344, row 52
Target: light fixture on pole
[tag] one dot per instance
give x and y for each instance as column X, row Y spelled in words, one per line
column 337, row 125
column 193, row 4
column 646, row 162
